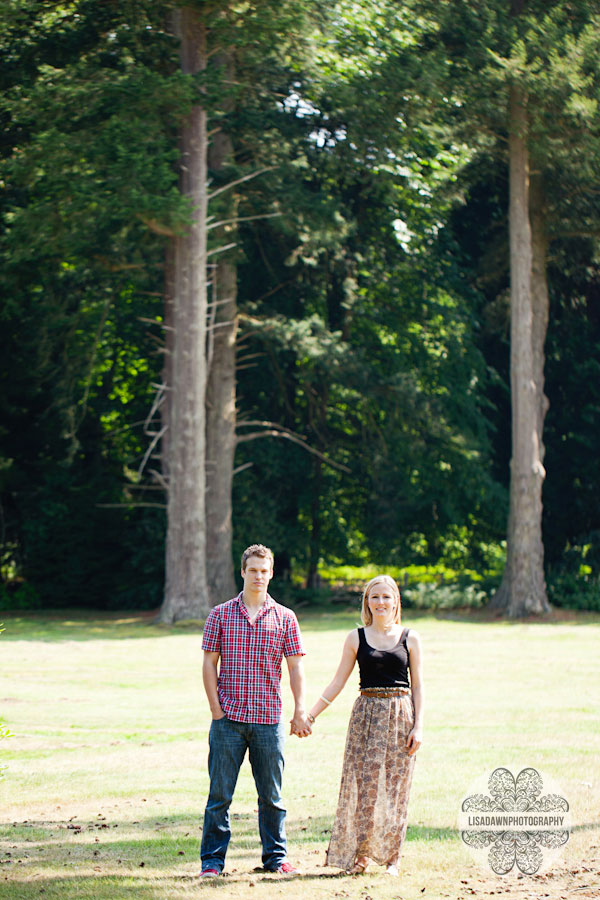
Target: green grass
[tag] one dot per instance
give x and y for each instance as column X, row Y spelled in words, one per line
column 106, row 779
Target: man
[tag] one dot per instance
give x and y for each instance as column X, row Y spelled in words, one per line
column 244, row 643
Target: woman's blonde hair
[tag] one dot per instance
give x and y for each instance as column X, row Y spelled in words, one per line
column 365, row 613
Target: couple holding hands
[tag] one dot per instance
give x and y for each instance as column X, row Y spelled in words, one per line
column 244, row 643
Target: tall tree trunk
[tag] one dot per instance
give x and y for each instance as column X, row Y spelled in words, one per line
column 221, row 390
column 186, row 594
column 312, row 575
column 314, row 550
column 539, row 297
column 523, row 589
column 221, row 437
column 169, row 338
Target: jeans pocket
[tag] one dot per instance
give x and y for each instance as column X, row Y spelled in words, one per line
column 216, row 727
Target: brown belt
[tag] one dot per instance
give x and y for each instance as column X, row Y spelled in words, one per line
column 384, row 692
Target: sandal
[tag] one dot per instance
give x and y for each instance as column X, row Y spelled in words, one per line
column 360, row 867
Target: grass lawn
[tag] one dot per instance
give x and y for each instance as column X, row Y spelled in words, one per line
column 106, row 779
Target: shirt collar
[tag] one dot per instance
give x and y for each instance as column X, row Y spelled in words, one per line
column 242, row 606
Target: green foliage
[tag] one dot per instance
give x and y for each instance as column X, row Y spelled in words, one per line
column 360, row 339
column 471, row 57
column 404, row 575
column 373, row 314
column 445, row 596
column 573, row 351
column 90, row 110
column 570, row 590
column 574, row 577
column 423, row 587
column 17, row 595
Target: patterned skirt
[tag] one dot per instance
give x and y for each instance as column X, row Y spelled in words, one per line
column 376, row 777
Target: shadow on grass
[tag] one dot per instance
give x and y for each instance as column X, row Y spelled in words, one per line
column 83, row 625
column 152, row 847
column 110, row 858
column 484, row 616
column 90, row 625
column 76, row 887
column 177, row 836
column 156, row 857
column 115, row 887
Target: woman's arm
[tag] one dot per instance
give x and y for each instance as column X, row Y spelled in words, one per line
column 341, row 676
column 415, row 664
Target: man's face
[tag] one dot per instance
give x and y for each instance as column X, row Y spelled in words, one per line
column 257, row 574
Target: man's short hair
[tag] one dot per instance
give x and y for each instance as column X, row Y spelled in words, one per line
column 257, row 550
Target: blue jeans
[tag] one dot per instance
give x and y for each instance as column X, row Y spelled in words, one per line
column 228, row 741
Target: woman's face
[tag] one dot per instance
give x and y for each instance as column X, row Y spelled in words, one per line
column 382, row 602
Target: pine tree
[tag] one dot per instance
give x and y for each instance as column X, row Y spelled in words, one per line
column 521, row 76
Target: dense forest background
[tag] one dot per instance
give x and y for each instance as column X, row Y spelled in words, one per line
column 364, row 221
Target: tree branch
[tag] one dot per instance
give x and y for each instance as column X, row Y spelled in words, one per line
column 232, row 184
column 157, row 227
column 242, row 219
column 151, row 447
column 156, row 404
column 220, row 325
column 129, row 505
column 160, row 478
column 239, row 469
column 221, row 249
column 279, row 431
column 155, row 322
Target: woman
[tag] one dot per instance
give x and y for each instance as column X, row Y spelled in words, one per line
column 384, row 733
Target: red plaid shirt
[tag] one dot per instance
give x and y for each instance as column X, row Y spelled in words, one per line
column 249, row 681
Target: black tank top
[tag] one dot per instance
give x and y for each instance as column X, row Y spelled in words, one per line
column 383, row 668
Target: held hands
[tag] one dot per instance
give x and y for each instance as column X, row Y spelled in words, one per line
column 300, row 725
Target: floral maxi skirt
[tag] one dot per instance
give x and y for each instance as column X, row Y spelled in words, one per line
column 376, row 777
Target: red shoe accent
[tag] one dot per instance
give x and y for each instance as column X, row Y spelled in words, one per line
column 286, row 868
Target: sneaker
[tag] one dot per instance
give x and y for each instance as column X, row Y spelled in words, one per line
column 286, row 868
column 209, row 873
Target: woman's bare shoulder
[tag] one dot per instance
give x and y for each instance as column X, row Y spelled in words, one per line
column 413, row 638
column 352, row 639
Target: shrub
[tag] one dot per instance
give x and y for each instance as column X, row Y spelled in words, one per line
column 574, row 590
column 19, row 595
column 444, row 596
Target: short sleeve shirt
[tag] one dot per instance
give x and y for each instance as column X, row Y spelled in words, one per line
column 251, row 654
